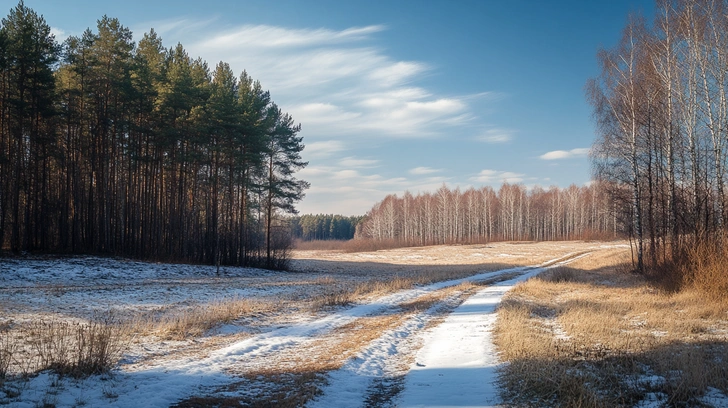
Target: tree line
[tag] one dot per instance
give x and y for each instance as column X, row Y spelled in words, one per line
column 512, row 212
column 661, row 105
column 114, row 147
column 311, row 227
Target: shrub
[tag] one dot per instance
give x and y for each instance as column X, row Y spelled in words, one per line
column 76, row 348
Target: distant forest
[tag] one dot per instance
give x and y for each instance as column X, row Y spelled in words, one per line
column 324, row 227
column 109, row 146
column 513, row 212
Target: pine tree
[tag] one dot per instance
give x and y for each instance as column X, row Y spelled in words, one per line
column 30, row 53
column 283, row 159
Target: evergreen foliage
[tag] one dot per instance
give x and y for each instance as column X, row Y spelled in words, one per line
column 311, row 227
column 112, row 147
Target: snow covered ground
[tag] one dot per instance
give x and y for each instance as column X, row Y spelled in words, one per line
column 413, row 363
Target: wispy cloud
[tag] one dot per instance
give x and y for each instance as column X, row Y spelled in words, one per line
column 173, row 26
column 496, row 136
column 424, row 170
column 323, row 149
column 357, row 163
column 265, row 36
column 336, row 82
column 565, row 154
column 355, row 190
column 494, row 176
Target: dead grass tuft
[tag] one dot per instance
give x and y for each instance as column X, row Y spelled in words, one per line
column 696, row 266
column 77, row 349
column 8, row 349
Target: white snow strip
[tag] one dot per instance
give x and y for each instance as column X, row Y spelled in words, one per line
column 457, row 365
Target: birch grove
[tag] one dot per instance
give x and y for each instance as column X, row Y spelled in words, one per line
column 661, row 107
column 481, row 215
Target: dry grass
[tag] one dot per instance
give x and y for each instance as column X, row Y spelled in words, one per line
column 8, row 349
column 196, row 321
column 291, row 390
column 363, row 290
column 701, row 268
column 351, row 246
column 74, row 348
column 594, row 335
column 424, row 265
column 374, row 288
column 296, row 376
column 79, row 348
column 319, row 245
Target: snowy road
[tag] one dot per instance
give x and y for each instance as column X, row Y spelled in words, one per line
column 456, row 367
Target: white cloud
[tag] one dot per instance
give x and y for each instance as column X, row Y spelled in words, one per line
column 495, row 176
column 322, row 113
column 322, row 149
column 496, row 136
column 335, row 82
column 397, row 73
column 359, row 163
column 345, row 174
column 172, row 26
column 349, row 191
column 59, row 34
column 565, row 154
column 265, row 36
column 424, row 170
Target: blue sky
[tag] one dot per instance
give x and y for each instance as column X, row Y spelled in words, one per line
column 401, row 95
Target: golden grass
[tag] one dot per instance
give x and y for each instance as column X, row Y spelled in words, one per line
column 198, row 320
column 380, row 287
column 74, row 348
column 361, row 291
column 592, row 334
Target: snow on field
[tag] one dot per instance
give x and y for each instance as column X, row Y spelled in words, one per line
column 76, row 287
column 163, row 384
column 80, row 286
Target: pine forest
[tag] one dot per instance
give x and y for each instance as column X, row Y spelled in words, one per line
column 108, row 146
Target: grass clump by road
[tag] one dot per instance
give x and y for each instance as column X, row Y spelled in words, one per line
column 595, row 335
column 66, row 347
